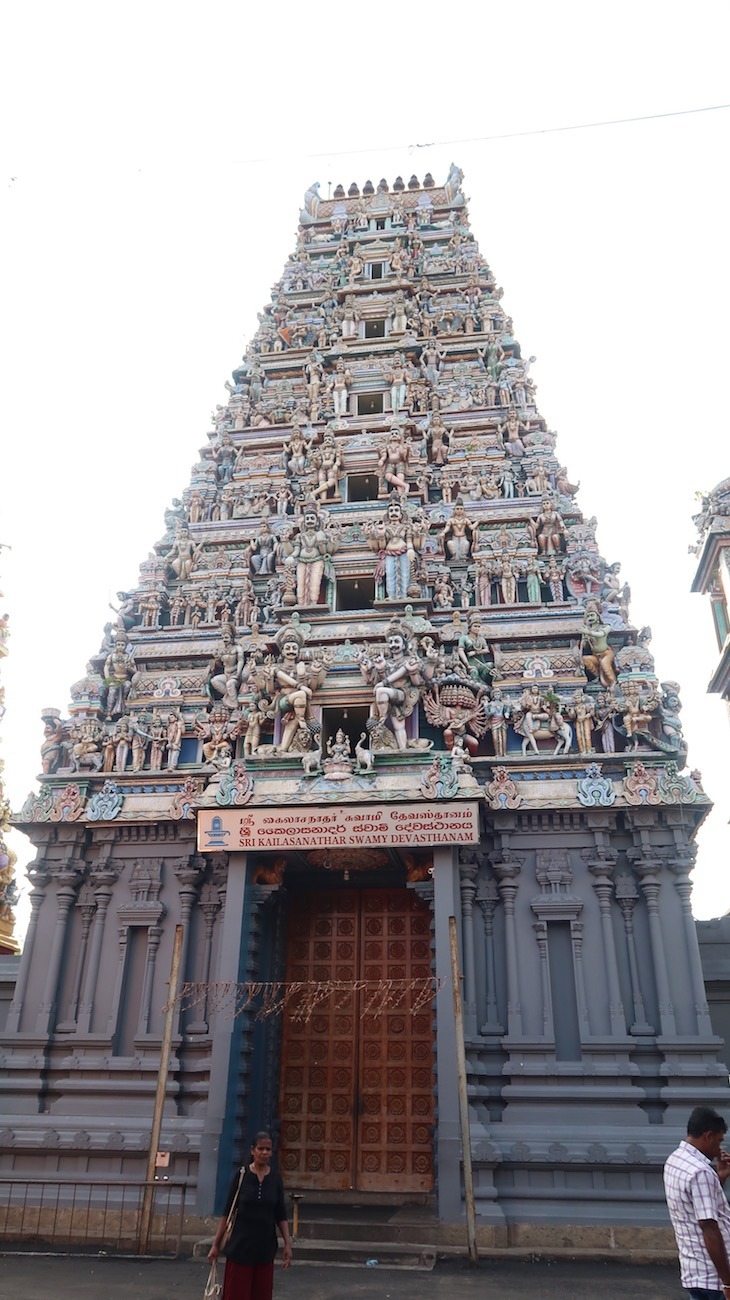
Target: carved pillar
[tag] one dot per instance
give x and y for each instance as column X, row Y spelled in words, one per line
column 154, row 934
column 627, row 896
column 40, row 878
column 119, row 982
column 87, row 907
column 102, row 880
column 648, row 869
column 468, row 868
column 188, row 872
column 210, row 906
column 507, row 871
column 540, row 928
column 487, row 898
column 576, row 935
column 681, row 864
column 68, row 875
column 601, row 867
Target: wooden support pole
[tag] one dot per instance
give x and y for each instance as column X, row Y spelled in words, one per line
column 471, row 1227
column 146, row 1215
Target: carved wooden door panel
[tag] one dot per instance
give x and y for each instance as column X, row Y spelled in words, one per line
column 395, row 1085
column 356, row 1098
column 319, row 1048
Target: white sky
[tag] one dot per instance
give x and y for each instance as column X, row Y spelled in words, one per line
column 140, row 241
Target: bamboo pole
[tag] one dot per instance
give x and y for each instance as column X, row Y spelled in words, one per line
column 471, row 1228
column 146, row 1215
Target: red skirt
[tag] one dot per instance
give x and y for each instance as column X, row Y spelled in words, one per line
column 248, row 1281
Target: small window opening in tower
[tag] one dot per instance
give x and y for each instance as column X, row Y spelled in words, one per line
column 354, row 593
column 376, row 270
column 370, row 404
column 374, row 329
column 362, row 487
column 380, row 223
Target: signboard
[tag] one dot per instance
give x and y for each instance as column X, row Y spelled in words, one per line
column 292, row 827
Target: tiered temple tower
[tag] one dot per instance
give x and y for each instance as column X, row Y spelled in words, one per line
column 379, row 666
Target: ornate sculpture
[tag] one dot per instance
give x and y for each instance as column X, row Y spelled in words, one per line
column 119, row 669
column 397, row 676
column 598, row 657
column 460, row 535
column 392, row 538
column 309, row 550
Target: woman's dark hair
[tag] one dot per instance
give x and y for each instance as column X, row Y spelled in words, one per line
column 262, row 1136
column 705, row 1120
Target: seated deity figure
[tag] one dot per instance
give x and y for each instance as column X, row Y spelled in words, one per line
column 397, row 677
column 548, row 529
column 598, row 657
column 295, row 454
column 392, row 537
column 293, row 681
column 459, row 535
column 393, row 461
column 225, row 668
column 263, row 550
column 510, row 431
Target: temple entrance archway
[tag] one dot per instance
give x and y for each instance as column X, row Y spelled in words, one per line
column 357, row 1089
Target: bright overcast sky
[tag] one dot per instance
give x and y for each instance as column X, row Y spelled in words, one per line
column 154, row 158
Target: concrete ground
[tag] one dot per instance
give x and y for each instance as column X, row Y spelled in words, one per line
column 34, row 1277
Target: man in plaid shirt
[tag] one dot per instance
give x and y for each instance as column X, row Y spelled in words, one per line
column 698, row 1207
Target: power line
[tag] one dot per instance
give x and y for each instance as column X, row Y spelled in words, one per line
column 461, row 140
column 514, row 135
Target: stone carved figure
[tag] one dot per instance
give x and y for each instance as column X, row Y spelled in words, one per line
column 53, row 744
column 310, row 547
column 598, row 657
column 340, row 388
column 393, row 460
column 548, row 529
column 392, row 538
column 398, row 677
column 328, row 464
column 182, row 555
column 292, row 682
column 225, row 668
column 396, row 376
column 119, row 669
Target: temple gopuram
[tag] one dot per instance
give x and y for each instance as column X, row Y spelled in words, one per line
column 376, row 674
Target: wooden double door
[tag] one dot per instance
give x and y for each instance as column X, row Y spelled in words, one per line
column 357, row 1086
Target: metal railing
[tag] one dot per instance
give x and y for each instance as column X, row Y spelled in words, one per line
column 61, row 1214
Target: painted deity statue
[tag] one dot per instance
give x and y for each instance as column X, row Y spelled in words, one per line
column 309, row 549
column 182, row 555
column 392, row 538
column 119, row 668
column 340, row 387
column 548, row 529
column 328, row 464
column 292, row 682
column 598, row 657
column 398, row 677
column 459, row 535
column 224, row 670
column 393, row 461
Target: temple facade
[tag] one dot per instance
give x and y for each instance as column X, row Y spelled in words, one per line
column 376, row 674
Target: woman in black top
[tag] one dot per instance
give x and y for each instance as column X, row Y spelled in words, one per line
column 252, row 1245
